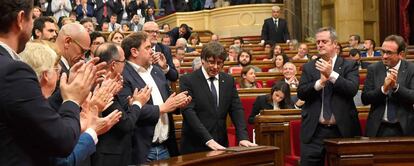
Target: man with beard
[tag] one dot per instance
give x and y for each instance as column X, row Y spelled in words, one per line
column 44, row 28
column 183, row 31
column 160, row 51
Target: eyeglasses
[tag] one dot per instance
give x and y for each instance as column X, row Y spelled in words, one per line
column 83, row 50
column 322, row 42
column 116, row 60
column 383, row 52
column 152, row 31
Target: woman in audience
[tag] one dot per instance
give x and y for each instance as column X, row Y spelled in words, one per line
column 279, row 61
column 149, row 14
column 165, row 27
column 96, row 40
column 276, row 50
column 124, row 27
column 194, row 40
column 37, row 12
column 248, row 78
column 116, row 37
column 279, row 98
column 293, row 45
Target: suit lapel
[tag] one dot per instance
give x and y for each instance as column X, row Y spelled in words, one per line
column 338, row 65
column 158, row 80
column 4, row 52
column 402, row 72
column 221, row 83
column 204, row 86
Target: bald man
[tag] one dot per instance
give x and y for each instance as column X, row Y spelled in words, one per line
column 72, row 41
column 160, row 51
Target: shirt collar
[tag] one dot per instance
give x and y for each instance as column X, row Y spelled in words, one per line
column 65, row 62
column 139, row 68
column 397, row 67
column 12, row 53
column 206, row 74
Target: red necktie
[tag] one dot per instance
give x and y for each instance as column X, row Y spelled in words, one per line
column 105, row 12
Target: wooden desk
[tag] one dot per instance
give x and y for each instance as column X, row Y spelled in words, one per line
column 370, row 151
column 272, row 128
column 265, row 155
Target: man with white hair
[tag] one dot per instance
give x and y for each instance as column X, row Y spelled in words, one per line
column 181, row 42
column 275, row 29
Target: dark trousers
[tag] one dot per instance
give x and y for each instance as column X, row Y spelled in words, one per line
column 389, row 130
column 313, row 153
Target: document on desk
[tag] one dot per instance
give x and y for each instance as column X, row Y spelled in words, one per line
column 242, row 148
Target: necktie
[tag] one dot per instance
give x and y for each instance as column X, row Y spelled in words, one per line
column 327, row 107
column 213, row 90
column 105, row 12
column 113, row 27
column 391, row 109
column 276, row 26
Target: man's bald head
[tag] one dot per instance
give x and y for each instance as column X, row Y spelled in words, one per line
column 149, row 25
column 152, row 30
column 73, row 40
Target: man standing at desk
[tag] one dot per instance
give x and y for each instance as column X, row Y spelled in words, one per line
column 214, row 96
column 328, row 85
column 389, row 88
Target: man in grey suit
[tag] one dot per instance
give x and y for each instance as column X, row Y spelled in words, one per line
column 389, row 88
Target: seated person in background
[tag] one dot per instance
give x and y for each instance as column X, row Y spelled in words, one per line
column 289, row 72
column 248, row 78
column 215, row 37
column 179, row 54
column 369, row 46
column 165, row 27
column 268, row 48
column 279, row 98
column 279, row 61
column 354, row 42
column 105, row 27
column 124, row 27
column 303, row 53
column 355, row 55
column 116, row 37
column 181, row 42
column 233, row 53
column 166, row 40
column 88, row 24
column 96, row 40
column 276, row 50
column 183, row 31
column 238, row 41
column 194, row 40
column 293, row 45
column 244, row 59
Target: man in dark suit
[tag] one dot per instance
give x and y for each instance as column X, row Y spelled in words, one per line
column 103, row 10
column 114, row 147
column 152, row 29
column 389, row 89
column 183, row 31
column 275, row 29
column 154, row 135
column 214, row 96
column 327, row 82
column 31, row 131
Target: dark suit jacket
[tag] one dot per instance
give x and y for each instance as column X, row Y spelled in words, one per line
column 172, row 74
column 403, row 97
column 344, row 89
column 261, row 103
column 201, row 120
column 269, row 33
column 31, row 132
column 99, row 10
column 175, row 35
column 115, row 146
column 145, row 125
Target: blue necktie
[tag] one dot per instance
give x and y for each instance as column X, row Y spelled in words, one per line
column 391, row 109
column 327, row 95
column 213, row 90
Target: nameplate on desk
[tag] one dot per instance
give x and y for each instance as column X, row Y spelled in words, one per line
column 242, row 148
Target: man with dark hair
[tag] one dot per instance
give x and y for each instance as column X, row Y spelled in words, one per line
column 113, row 24
column 160, row 51
column 369, row 47
column 88, row 24
column 214, row 96
column 114, row 147
column 183, row 31
column 327, row 85
column 238, row 41
column 31, row 131
column 104, row 9
column 44, row 28
column 154, row 133
column 389, row 89
column 166, row 40
column 275, row 29
column 354, row 42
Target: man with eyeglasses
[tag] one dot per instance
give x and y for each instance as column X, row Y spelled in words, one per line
column 214, row 97
column 160, row 51
column 327, row 85
column 44, row 28
column 389, row 89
